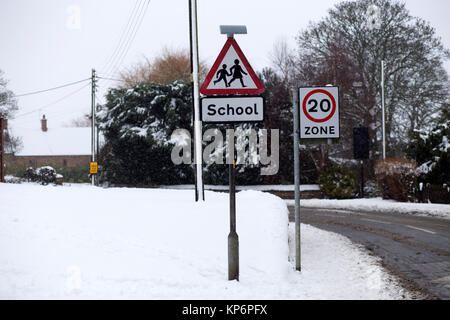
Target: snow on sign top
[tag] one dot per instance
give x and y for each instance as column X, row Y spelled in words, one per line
column 231, row 73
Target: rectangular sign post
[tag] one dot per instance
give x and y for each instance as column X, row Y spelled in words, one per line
column 231, row 87
column 296, row 181
column 317, row 110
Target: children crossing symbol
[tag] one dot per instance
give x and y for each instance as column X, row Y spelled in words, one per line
column 231, row 73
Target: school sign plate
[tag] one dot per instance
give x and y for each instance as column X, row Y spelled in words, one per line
column 217, row 109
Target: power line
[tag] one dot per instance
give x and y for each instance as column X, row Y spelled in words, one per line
column 130, row 30
column 54, row 102
column 119, row 44
column 112, row 79
column 131, row 39
column 50, row 89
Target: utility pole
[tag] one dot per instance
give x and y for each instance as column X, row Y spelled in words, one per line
column 97, row 149
column 383, row 109
column 199, row 192
column 93, row 87
column 2, row 148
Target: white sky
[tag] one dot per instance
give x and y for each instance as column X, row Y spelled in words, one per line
column 39, row 51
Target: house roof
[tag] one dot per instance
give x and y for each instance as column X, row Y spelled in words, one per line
column 53, row 142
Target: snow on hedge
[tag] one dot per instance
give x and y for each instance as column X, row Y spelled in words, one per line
column 86, row 242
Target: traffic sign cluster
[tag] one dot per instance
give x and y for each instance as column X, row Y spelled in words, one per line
column 232, row 89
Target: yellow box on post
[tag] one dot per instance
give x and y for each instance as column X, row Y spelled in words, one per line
column 94, row 167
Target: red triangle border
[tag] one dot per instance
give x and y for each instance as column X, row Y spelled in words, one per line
column 212, row 72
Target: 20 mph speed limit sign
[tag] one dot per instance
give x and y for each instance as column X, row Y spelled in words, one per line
column 319, row 113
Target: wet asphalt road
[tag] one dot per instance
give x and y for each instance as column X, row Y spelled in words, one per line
column 415, row 249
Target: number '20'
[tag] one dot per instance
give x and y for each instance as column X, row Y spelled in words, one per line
column 325, row 105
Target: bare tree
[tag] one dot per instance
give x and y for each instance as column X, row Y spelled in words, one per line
column 80, row 122
column 169, row 66
column 8, row 103
column 8, row 107
column 282, row 58
column 342, row 49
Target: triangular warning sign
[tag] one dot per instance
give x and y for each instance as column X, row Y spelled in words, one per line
column 231, row 73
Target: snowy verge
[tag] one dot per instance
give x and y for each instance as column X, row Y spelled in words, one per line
column 266, row 187
column 378, row 205
column 123, row 243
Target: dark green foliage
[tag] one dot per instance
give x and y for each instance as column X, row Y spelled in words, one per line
column 75, row 174
column 431, row 150
column 137, row 124
column 338, row 183
column 43, row 175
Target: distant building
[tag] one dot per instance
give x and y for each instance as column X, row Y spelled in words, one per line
column 47, row 146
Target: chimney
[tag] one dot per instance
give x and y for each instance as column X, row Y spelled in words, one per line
column 44, row 124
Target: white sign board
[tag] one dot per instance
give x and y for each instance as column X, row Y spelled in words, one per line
column 319, row 113
column 232, row 109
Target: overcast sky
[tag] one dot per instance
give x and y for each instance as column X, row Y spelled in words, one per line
column 44, row 45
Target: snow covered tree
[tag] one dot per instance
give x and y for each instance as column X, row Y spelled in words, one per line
column 137, row 124
column 431, row 149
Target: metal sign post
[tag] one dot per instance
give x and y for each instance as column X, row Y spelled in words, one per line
column 295, row 106
column 233, row 239
column 199, row 190
column 230, row 87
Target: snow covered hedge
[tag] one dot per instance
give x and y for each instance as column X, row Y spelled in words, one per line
column 43, row 175
column 397, row 179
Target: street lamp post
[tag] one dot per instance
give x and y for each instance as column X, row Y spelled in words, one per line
column 374, row 22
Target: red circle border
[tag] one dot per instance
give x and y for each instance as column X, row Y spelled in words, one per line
column 333, row 101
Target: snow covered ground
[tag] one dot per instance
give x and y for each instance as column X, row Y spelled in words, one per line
column 76, row 242
column 379, row 205
column 266, row 187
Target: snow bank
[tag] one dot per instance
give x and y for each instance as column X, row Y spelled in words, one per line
column 266, row 187
column 379, row 205
column 87, row 243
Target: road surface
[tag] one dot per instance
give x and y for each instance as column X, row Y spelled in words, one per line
column 415, row 249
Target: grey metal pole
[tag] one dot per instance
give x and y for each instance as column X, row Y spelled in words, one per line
column 196, row 97
column 295, row 107
column 383, row 110
column 233, row 239
column 362, row 178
